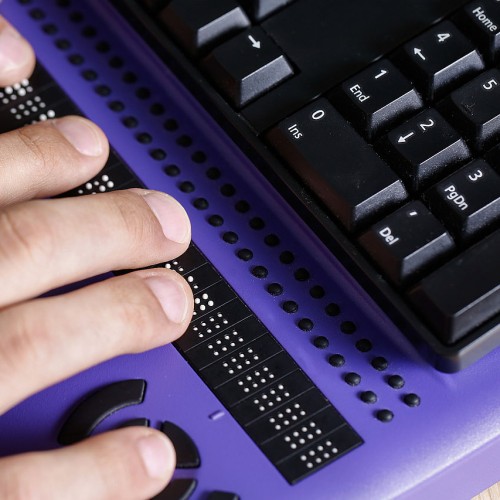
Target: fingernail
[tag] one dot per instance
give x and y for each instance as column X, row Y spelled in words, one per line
column 81, row 134
column 172, row 217
column 156, row 454
column 171, row 296
column 14, row 50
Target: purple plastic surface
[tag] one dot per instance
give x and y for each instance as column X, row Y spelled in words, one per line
column 447, row 447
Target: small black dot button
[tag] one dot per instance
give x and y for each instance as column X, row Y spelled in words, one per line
column 352, row 378
column 215, row 220
column 228, row 190
column 158, row 154
column 332, row 309
column 171, row 125
column 245, row 254
column 260, row 272
column 130, row 122
column 290, row 306
column 103, row 90
column 286, row 257
column 230, row 237
column 257, row 223
column 102, row 47
column 317, row 292
column 186, row 187
column 172, row 170
column 143, row 93
column 301, row 274
column 364, row 345
column 200, row 203
column 271, row 240
column 199, row 157
column 380, row 363
column 347, row 327
column 368, row 397
column 396, row 381
column 385, row 415
column 184, row 140
column 242, row 206
column 336, row 360
column 305, row 324
column 412, row 400
column 321, row 342
column 144, row 138
column 275, row 289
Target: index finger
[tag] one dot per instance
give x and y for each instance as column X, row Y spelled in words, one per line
column 17, row 59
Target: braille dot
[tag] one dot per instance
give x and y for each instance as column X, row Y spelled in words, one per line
column 380, row 363
column 368, row 397
column 352, row 378
column 116, row 106
column 90, row 75
column 257, row 223
column 171, row 125
column 102, row 90
column 37, row 14
column 336, row 360
column 129, row 77
column 213, row 173
column 172, row 170
column 230, row 237
column 412, row 400
column 144, row 138
column 242, row 206
column 364, row 345
column 287, row 257
column 275, row 289
column 199, row 157
column 102, row 47
column 76, row 59
column 50, row 29
column 396, row 381
column 200, row 203
column 271, row 240
column 143, row 93
column 89, row 32
column 215, row 220
column 76, row 17
column 186, row 187
column 321, row 342
column 301, row 274
column 63, row 44
column 184, row 140
column 385, row 415
column 332, row 309
column 317, row 292
column 158, row 154
column 245, row 254
column 260, row 272
column 228, row 190
column 130, row 122
column 290, row 306
column 347, row 327
column 305, row 324
column 116, row 62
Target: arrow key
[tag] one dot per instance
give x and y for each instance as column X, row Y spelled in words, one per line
column 247, row 66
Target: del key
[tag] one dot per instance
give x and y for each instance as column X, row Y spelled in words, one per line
column 337, row 164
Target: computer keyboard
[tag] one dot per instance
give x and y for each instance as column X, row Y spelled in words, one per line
column 380, row 122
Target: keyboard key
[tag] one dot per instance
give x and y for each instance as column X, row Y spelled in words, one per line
column 337, row 164
column 475, row 109
column 468, row 201
column 464, row 293
column 247, row 66
column 375, row 98
column 440, row 58
column 481, row 20
column 423, row 148
column 199, row 24
column 259, row 9
column 407, row 242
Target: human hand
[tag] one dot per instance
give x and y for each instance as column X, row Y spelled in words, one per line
column 45, row 244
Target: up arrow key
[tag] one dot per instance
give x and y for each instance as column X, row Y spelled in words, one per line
column 255, row 43
column 418, row 52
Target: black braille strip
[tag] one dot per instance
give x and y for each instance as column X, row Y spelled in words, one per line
column 200, row 203
column 215, row 220
column 245, row 254
column 102, row 90
column 347, row 327
column 63, row 44
column 199, row 157
column 116, row 106
column 286, row 257
column 172, row 170
column 129, row 77
column 352, row 378
column 368, row 397
column 364, row 345
column 186, row 187
column 271, row 240
column 143, row 93
column 116, row 62
column 230, row 237
column 396, row 381
column 321, row 342
column 76, row 59
column 158, row 154
column 290, row 306
column 317, row 292
column 242, row 206
column 89, row 32
column 102, row 47
column 380, row 363
column 228, row 190
column 144, row 138
column 260, row 272
column 301, row 274
column 171, row 125
column 336, row 360
column 305, row 324
column 89, row 74
column 275, row 289
column 130, row 122
column 184, row 140
column 412, row 400
column 385, row 415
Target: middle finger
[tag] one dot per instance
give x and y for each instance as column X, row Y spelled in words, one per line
column 49, row 243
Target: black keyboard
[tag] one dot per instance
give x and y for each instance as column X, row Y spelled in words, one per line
column 380, row 123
